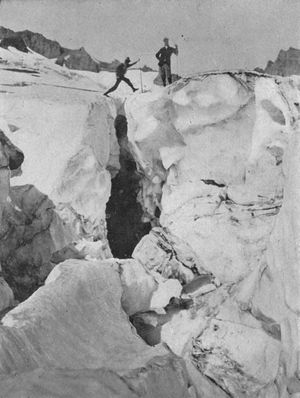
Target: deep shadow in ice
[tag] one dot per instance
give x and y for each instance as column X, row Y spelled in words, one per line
column 123, row 212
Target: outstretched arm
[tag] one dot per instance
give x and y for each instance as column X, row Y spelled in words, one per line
column 129, row 65
column 175, row 50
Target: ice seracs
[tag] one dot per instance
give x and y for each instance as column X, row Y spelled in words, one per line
column 105, row 359
column 226, row 183
column 216, row 279
column 66, row 131
column 11, row 159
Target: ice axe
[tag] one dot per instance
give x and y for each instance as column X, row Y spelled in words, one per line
column 177, row 58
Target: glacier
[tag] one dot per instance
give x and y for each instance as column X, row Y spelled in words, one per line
column 208, row 303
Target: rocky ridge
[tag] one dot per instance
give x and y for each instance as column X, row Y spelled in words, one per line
column 78, row 59
column 287, row 63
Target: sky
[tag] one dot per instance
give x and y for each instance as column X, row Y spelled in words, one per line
column 211, row 34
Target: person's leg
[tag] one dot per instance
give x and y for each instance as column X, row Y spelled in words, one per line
column 169, row 74
column 129, row 83
column 113, row 87
column 162, row 74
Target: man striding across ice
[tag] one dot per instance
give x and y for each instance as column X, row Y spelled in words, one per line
column 164, row 58
column 120, row 73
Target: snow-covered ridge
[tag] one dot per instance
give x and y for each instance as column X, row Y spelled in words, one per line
column 78, row 59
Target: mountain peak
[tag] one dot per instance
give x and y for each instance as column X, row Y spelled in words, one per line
column 78, row 59
column 287, row 63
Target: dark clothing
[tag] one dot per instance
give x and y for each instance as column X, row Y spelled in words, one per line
column 164, row 55
column 164, row 58
column 116, row 85
column 121, row 70
column 165, row 74
column 120, row 73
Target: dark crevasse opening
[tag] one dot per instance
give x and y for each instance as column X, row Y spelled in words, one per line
column 124, row 213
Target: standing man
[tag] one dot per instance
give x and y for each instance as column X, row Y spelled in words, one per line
column 120, row 73
column 164, row 58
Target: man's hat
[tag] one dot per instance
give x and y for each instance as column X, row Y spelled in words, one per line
column 127, row 59
column 166, row 39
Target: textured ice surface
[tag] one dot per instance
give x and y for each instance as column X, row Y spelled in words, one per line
column 219, row 152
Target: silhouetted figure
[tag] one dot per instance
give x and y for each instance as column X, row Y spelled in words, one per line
column 164, row 58
column 120, row 73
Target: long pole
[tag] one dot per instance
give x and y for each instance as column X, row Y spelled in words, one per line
column 141, row 79
column 177, row 58
column 141, row 74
